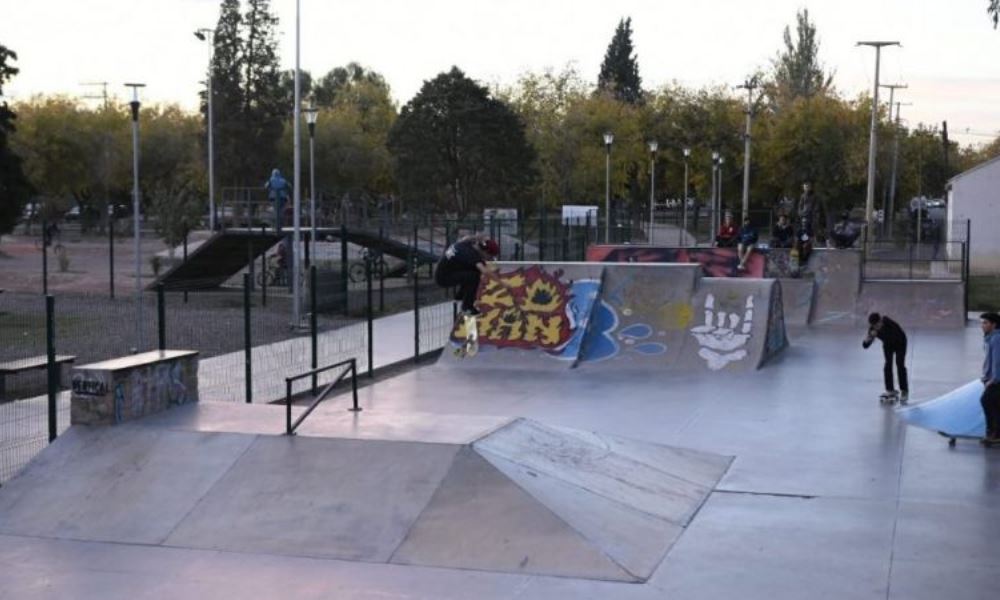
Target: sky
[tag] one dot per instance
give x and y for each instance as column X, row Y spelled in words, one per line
column 948, row 57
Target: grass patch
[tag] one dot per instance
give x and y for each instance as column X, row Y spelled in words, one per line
column 984, row 293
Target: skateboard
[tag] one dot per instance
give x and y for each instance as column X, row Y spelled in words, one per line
column 889, row 398
column 470, row 346
column 793, row 262
column 954, row 437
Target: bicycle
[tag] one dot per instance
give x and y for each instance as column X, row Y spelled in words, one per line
column 275, row 273
column 357, row 272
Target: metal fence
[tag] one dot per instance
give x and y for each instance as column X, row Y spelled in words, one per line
column 246, row 340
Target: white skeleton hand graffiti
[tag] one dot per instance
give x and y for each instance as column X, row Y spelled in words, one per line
column 723, row 337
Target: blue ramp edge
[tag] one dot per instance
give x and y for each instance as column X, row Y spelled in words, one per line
column 957, row 413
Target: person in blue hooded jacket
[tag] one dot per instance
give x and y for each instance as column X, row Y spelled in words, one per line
column 277, row 193
column 990, row 400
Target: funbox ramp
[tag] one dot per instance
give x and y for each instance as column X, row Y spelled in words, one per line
column 644, row 316
column 517, row 496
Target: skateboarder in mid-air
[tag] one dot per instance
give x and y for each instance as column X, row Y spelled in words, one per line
column 462, row 265
column 990, row 400
column 893, row 347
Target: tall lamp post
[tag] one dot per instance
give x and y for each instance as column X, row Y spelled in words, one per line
column 208, row 35
column 684, row 209
column 715, row 194
column 296, row 181
column 312, row 113
column 609, row 138
column 136, row 235
column 873, row 141
column 722, row 161
column 653, row 147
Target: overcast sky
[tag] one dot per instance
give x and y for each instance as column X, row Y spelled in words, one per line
column 948, row 58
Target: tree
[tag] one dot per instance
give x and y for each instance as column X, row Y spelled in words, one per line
column 14, row 187
column 342, row 79
column 456, row 147
column 797, row 72
column 620, row 70
column 994, row 10
column 250, row 104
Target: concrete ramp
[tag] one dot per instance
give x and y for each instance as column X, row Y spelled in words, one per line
column 914, row 304
column 636, row 316
column 520, row 498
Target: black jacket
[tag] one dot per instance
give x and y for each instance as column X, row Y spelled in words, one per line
column 889, row 331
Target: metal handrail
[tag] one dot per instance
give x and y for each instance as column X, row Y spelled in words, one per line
column 352, row 368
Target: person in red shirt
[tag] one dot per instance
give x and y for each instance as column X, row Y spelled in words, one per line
column 727, row 233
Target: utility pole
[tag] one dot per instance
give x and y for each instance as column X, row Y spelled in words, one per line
column 892, row 87
column 749, row 85
column 873, row 140
column 109, row 211
column 895, row 170
column 296, row 181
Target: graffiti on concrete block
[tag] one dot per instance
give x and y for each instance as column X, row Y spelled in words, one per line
column 525, row 308
column 149, row 390
column 723, row 337
column 88, row 384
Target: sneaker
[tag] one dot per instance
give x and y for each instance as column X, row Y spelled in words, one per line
column 904, row 397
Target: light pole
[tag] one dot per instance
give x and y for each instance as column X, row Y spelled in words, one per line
column 715, row 193
column 750, row 85
column 312, row 113
column 684, row 209
column 136, row 235
column 296, row 183
column 205, row 34
column 873, row 139
column 653, row 146
column 609, row 138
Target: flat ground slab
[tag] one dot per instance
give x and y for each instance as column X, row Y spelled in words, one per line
column 828, row 496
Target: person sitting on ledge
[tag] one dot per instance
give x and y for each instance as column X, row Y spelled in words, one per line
column 783, row 235
column 844, row 232
column 747, row 242
column 727, row 236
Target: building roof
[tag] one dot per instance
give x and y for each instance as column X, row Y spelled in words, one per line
column 982, row 165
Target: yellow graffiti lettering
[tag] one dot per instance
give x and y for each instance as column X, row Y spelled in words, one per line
column 543, row 331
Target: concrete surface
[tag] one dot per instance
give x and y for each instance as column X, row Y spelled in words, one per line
column 829, row 495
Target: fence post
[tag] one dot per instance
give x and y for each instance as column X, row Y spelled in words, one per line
column 416, row 298
column 263, row 279
column 111, row 251
column 354, row 386
column 369, row 309
column 380, row 265
column 343, row 266
column 161, row 317
column 312, row 324
column 185, row 261
column 45, row 258
column 247, row 359
column 52, row 367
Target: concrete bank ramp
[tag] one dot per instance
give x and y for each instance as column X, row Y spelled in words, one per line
column 522, row 497
column 656, row 318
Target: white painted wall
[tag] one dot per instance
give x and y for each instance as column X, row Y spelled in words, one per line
column 975, row 195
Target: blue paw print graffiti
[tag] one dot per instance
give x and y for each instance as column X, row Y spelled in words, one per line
column 636, row 335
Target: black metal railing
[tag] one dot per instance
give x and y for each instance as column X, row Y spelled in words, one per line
column 351, row 365
column 943, row 261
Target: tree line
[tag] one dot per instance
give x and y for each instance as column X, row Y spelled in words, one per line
column 459, row 146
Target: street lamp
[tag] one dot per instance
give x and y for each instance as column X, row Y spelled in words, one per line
column 715, row 191
column 205, row 34
column 653, row 146
column 609, row 138
column 684, row 209
column 312, row 113
column 136, row 235
column 722, row 161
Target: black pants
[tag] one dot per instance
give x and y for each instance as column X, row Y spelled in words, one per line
column 991, row 408
column 467, row 282
column 900, row 355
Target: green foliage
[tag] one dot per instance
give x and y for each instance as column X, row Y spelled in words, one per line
column 797, row 72
column 14, row 186
column 619, row 74
column 250, row 99
column 994, row 10
column 343, row 79
column 454, row 147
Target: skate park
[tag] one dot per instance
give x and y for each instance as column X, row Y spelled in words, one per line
column 619, row 460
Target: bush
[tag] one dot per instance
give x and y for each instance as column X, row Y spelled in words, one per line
column 63, row 257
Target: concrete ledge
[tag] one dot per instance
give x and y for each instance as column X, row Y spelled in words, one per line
column 123, row 389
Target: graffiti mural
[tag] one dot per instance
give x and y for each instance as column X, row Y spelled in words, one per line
column 715, row 262
column 527, row 308
column 724, row 336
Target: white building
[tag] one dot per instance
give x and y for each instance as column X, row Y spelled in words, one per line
column 975, row 196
